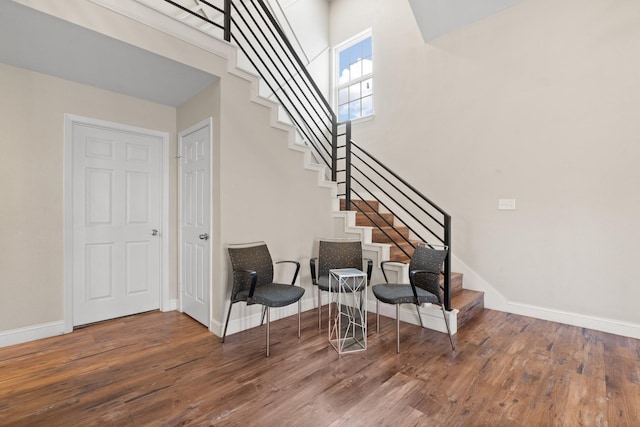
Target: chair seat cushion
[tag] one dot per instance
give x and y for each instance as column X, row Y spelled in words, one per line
column 274, row 295
column 402, row 294
column 323, row 284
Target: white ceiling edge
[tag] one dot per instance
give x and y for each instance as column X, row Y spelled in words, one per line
column 438, row 17
column 39, row 42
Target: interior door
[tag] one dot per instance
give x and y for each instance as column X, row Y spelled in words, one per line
column 117, row 189
column 195, row 213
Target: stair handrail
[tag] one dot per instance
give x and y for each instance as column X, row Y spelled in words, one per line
column 256, row 32
column 444, row 224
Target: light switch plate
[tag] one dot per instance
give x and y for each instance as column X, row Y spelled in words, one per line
column 507, row 204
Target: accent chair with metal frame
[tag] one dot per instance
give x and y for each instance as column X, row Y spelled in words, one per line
column 253, row 282
column 335, row 254
column 424, row 286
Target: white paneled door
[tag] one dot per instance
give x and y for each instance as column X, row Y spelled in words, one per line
column 195, row 213
column 117, row 188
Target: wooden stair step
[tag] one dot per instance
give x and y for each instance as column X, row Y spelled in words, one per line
column 373, row 219
column 389, row 234
column 396, row 254
column 361, row 205
column 455, row 283
column 469, row 303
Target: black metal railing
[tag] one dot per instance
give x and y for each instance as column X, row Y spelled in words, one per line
column 252, row 27
column 362, row 175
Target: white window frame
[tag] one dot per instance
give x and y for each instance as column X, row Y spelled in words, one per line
column 336, row 73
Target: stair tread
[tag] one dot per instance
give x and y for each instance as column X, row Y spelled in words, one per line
column 369, row 206
column 464, row 297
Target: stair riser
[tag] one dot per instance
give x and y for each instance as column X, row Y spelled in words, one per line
column 456, row 283
column 374, row 219
column 468, row 311
column 397, row 255
column 359, row 205
column 391, row 235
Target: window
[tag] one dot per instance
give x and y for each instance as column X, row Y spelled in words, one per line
column 354, row 77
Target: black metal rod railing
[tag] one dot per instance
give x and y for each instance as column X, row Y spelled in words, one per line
column 264, row 65
column 359, row 161
column 253, row 28
column 315, row 90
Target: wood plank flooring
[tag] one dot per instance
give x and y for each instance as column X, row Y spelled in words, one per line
column 164, row 369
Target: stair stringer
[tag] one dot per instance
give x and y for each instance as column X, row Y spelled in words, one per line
column 294, row 141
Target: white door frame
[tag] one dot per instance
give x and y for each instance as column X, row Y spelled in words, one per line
column 190, row 129
column 69, row 121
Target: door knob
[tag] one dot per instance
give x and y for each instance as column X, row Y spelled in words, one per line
column 154, row 232
column 204, row 236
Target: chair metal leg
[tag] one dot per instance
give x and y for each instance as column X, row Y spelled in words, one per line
column 263, row 310
column 397, row 328
column 227, row 322
column 419, row 317
column 319, row 309
column 377, row 316
column 268, row 322
column 446, row 322
column 299, row 310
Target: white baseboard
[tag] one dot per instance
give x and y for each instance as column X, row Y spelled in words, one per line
column 172, row 306
column 245, row 317
column 31, row 333
column 494, row 300
column 431, row 315
column 611, row 326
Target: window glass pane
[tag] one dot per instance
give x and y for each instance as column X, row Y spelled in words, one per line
column 366, row 47
column 343, row 96
column 355, row 53
column 354, row 92
column 355, row 70
column 367, row 106
column 354, row 89
column 367, row 87
column 367, row 66
column 354, row 109
column 343, row 67
column 343, row 78
column 344, row 60
column 343, row 113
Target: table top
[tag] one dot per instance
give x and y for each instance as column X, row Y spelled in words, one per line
column 346, row 272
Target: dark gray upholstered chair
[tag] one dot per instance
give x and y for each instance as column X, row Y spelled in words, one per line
column 334, row 254
column 253, row 282
column 423, row 287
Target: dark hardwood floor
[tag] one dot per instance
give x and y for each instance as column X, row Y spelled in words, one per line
column 165, row 369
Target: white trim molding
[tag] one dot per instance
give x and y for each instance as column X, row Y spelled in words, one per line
column 31, row 333
column 494, row 300
column 165, row 303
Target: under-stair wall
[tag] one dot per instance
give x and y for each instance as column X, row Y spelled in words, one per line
column 262, row 190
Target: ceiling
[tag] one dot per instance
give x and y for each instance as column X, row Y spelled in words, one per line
column 438, row 17
column 39, row 42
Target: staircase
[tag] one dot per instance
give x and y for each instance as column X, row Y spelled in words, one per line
column 468, row 302
column 263, row 47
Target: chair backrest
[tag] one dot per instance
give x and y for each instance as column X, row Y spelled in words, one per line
column 250, row 256
column 334, row 254
column 427, row 259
